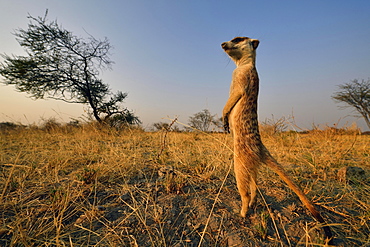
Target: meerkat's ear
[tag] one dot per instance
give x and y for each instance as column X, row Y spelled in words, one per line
column 255, row 43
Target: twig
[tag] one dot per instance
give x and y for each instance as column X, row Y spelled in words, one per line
column 165, row 136
column 86, row 229
column 14, row 165
column 332, row 210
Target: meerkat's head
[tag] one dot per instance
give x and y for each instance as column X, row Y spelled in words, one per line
column 241, row 49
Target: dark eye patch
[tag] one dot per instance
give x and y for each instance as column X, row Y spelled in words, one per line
column 238, row 39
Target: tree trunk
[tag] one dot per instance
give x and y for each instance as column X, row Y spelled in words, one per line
column 88, row 92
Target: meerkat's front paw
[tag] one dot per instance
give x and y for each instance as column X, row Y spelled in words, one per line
column 226, row 124
column 227, row 128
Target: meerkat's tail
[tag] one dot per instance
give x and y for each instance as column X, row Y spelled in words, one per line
column 276, row 167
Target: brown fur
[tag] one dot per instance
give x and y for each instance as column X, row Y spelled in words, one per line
column 240, row 117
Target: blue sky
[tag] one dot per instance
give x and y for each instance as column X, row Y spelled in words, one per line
column 168, row 57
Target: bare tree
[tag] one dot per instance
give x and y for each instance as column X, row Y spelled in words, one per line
column 62, row 66
column 161, row 126
column 355, row 95
column 273, row 126
column 204, row 120
column 165, row 126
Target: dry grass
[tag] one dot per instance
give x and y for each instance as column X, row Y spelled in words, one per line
column 85, row 186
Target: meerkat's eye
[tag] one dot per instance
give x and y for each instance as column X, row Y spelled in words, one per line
column 238, row 39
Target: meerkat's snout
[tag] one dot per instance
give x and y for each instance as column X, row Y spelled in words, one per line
column 226, row 46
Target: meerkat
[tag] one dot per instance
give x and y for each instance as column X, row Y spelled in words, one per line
column 240, row 118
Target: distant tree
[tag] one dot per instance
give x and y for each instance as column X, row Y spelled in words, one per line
column 166, row 126
column 273, row 126
column 62, row 66
column 123, row 119
column 204, row 120
column 355, row 95
column 161, row 126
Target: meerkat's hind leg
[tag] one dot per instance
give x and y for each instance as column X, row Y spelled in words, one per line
column 246, row 188
column 252, row 189
column 246, row 199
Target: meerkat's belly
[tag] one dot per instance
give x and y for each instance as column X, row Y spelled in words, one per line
column 244, row 125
